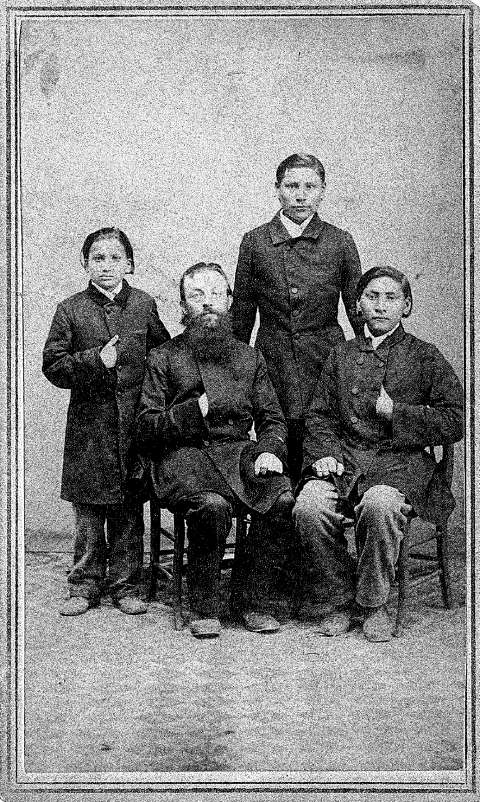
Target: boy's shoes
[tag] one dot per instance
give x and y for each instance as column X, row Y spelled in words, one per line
column 336, row 623
column 205, row 627
column 76, row 605
column 377, row 626
column 131, row 605
column 260, row 622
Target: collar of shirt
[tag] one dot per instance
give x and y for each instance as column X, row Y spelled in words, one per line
column 294, row 229
column 377, row 340
column 110, row 295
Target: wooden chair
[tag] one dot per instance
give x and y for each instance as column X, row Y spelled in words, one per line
column 409, row 551
column 238, row 560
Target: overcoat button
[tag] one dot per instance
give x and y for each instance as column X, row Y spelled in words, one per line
column 354, row 390
column 354, row 419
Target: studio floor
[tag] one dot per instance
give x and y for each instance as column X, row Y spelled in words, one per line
column 106, row 692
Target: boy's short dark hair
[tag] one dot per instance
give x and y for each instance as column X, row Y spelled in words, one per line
column 108, row 233
column 202, row 267
column 390, row 272
column 300, row 160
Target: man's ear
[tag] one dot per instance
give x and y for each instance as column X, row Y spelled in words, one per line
column 408, row 307
column 130, row 270
column 229, row 299
column 358, row 309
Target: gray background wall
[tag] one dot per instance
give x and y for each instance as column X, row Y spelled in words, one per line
column 172, row 128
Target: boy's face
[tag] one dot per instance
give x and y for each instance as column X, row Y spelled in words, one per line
column 206, row 294
column 300, row 192
column 107, row 263
column 382, row 305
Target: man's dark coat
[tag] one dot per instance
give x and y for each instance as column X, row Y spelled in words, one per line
column 296, row 285
column 427, row 410
column 190, row 454
column 101, row 412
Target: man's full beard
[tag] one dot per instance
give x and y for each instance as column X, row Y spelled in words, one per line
column 211, row 338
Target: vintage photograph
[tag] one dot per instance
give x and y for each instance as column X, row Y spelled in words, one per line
column 240, row 376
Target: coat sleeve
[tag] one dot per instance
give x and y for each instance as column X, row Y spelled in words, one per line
column 158, row 422
column 438, row 420
column 270, row 426
column 157, row 334
column 351, row 272
column 244, row 306
column 67, row 368
column 322, row 423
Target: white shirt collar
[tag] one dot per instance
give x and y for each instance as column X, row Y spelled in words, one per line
column 377, row 340
column 294, row 229
column 111, row 295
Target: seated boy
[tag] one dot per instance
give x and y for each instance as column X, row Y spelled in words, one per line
column 381, row 398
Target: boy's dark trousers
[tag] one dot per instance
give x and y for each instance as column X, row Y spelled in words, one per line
column 125, row 550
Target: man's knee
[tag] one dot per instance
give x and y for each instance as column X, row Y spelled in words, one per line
column 209, row 508
column 314, row 500
column 382, row 500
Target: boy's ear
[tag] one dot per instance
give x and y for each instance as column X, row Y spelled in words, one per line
column 408, row 307
column 357, row 308
column 130, row 270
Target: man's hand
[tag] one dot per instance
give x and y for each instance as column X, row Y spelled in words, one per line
column 267, row 463
column 203, row 404
column 108, row 354
column 328, row 465
column 384, row 405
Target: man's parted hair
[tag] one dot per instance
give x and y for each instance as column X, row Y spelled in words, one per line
column 202, row 267
column 300, row 160
column 381, row 271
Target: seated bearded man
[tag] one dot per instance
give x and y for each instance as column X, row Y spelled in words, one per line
column 201, row 395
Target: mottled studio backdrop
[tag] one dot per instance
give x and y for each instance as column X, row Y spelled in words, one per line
column 171, row 128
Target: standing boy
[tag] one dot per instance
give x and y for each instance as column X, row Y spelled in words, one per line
column 96, row 348
column 380, row 400
column 293, row 270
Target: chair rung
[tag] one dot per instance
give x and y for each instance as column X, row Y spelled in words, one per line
column 416, row 555
column 423, row 577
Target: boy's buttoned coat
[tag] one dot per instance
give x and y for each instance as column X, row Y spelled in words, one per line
column 101, row 412
column 427, row 410
column 190, row 454
column 296, row 285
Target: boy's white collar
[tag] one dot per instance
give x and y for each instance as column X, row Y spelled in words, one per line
column 294, row 229
column 377, row 340
column 111, row 295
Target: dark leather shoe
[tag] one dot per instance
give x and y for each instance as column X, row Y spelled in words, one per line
column 205, row 628
column 336, row 623
column 131, row 605
column 75, row 605
column 260, row 622
column 377, row 626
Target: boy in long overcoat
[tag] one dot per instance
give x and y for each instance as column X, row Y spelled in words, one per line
column 293, row 270
column 380, row 400
column 202, row 393
column 96, row 348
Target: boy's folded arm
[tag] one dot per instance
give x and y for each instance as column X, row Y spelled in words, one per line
column 158, row 423
column 440, row 419
column 63, row 367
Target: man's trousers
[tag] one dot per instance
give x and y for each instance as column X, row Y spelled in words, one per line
column 380, row 517
column 209, row 519
column 125, row 550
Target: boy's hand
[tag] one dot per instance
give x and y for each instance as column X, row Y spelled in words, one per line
column 267, row 463
column 108, row 354
column 384, row 405
column 328, row 465
column 203, row 404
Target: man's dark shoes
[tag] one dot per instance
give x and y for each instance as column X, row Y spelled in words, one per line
column 260, row 622
column 76, row 605
column 336, row 623
column 205, row 627
column 377, row 626
column 131, row 605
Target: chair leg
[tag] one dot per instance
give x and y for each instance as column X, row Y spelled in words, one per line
column 155, row 528
column 444, row 565
column 239, row 568
column 178, row 549
column 402, row 574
